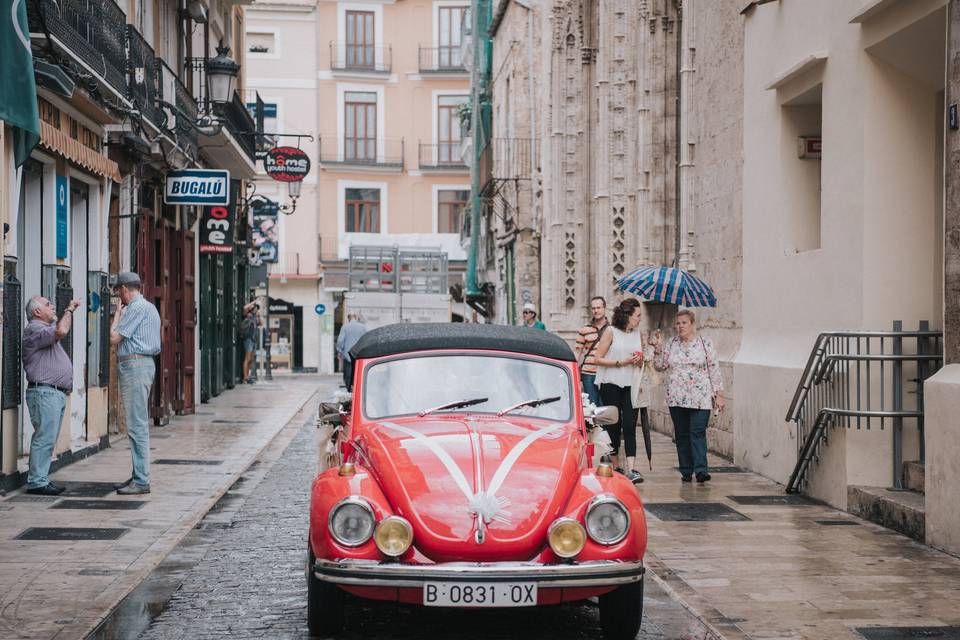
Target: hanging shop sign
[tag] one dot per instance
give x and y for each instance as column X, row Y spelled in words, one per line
column 61, row 212
column 197, row 187
column 265, row 234
column 216, row 230
column 287, row 164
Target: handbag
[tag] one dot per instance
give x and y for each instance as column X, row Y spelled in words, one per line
column 713, row 392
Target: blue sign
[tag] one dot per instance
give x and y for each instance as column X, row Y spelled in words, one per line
column 63, row 194
column 320, row 309
column 197, row 187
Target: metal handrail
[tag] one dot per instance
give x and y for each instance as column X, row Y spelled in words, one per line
column 847, row 396
column 799, row 396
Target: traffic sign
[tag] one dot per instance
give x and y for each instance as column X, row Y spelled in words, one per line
column 320, row 309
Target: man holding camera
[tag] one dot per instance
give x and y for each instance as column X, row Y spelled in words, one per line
column 249, row 330
column 136, row 331
column 49, row 374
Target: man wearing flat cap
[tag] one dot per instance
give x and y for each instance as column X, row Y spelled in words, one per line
column 136, row 331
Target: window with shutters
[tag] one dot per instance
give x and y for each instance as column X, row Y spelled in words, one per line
column 361, row 41
column 448, row 129
column 362, row 207
column 360, row 126
column 12, row 324
column 450, row 206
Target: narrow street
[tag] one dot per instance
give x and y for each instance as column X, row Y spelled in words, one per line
column 239, row 575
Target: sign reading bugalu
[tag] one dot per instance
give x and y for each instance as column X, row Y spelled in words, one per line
column 197, row 187
column 287, row 164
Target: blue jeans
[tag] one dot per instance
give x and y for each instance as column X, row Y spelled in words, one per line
column 47, row 407
column 136, row 379
column 690, row 431
column 589, row 386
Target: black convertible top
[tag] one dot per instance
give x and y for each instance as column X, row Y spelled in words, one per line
column 407, row 337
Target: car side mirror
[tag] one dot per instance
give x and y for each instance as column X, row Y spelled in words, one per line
column 331, row 418
column 605, row 415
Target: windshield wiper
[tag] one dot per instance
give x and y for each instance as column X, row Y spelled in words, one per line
column 529, row 403
column 457, row 404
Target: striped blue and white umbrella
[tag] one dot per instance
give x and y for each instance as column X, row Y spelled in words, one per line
column 668, row 284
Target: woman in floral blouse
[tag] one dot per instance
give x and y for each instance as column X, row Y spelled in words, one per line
column 694, row 388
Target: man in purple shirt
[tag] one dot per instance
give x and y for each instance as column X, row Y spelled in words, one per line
column 49, row 382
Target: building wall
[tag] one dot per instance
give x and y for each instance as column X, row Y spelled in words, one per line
column 807, row 271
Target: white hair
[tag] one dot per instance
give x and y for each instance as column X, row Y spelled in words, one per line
column 32, row 305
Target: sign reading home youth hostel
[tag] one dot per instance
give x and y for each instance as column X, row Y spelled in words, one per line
column 197, row 187
column 216, row 230
column 286, row 164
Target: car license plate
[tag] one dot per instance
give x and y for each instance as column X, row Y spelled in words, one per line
column 480, row 594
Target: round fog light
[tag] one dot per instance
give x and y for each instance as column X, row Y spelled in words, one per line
column 394, row 536
column 566, row 537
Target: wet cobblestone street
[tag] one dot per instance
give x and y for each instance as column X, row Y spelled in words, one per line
column 241, row 575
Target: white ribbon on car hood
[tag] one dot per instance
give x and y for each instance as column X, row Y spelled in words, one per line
column 484, row 505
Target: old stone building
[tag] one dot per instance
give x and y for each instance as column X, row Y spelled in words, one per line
column 597, row 132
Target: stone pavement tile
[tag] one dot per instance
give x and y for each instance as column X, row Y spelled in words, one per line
column 782, row 574
column 62, row 589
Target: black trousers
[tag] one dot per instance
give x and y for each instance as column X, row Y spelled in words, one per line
column 348, row 374
column 619, row 397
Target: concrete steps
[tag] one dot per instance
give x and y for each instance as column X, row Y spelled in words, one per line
column 900, row 510
column 913, row 476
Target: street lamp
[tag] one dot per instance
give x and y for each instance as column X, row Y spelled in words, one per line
column 222, row 72
column 197, row 12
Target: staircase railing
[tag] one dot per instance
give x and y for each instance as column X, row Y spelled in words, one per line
column 856, row 379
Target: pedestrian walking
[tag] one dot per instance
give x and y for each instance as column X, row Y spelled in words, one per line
column 49, row 373
column 349, row 334
column 249, row 330
column 695, row 386
column 622, row 379
column 587, row 338
column 136, row 331
column 530, row 317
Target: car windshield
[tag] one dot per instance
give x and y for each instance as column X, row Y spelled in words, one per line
column 413, row 385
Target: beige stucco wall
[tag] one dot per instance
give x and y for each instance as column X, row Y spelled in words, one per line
column 942, row 396
column 878, row 254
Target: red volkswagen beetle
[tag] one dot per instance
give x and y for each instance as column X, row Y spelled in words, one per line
column 464, row 479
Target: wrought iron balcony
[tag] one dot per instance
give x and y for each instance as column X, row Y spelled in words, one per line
column 238, row 121
column 442, row 59
column 377, row 154
column 144, row 77
column 360, row 58
column 444, row 156
column 173, row 91
column 93, row 32
column 510, row 158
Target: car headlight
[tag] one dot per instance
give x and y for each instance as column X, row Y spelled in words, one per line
column 566, row 537
column 351, row 521
column 393, row 536
column 608, row 521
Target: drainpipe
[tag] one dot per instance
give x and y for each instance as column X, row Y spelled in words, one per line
column 479, row 126
column 677, row 142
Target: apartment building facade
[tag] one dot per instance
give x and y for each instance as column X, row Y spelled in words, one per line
column 124, row 98
column 379, row 85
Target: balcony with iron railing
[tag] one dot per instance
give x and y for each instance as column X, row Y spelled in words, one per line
column 144, row 78
column 238, row 121
column 444, row 157
column 444, row 59
column 360, row 58
column 372, row 154
column 179, row 119
column 92, row 32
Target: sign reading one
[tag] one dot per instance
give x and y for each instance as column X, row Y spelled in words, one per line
column 197, row 187
column 61, row 211
column 216, row 230
column 286, row 164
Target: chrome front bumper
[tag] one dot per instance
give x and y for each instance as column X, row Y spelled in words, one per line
column 370, row 573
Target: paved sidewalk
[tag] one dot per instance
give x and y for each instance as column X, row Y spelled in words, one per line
column 63, row 589
column 789, row 571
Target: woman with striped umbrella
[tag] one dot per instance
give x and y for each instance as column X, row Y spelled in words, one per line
column 695, row 384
